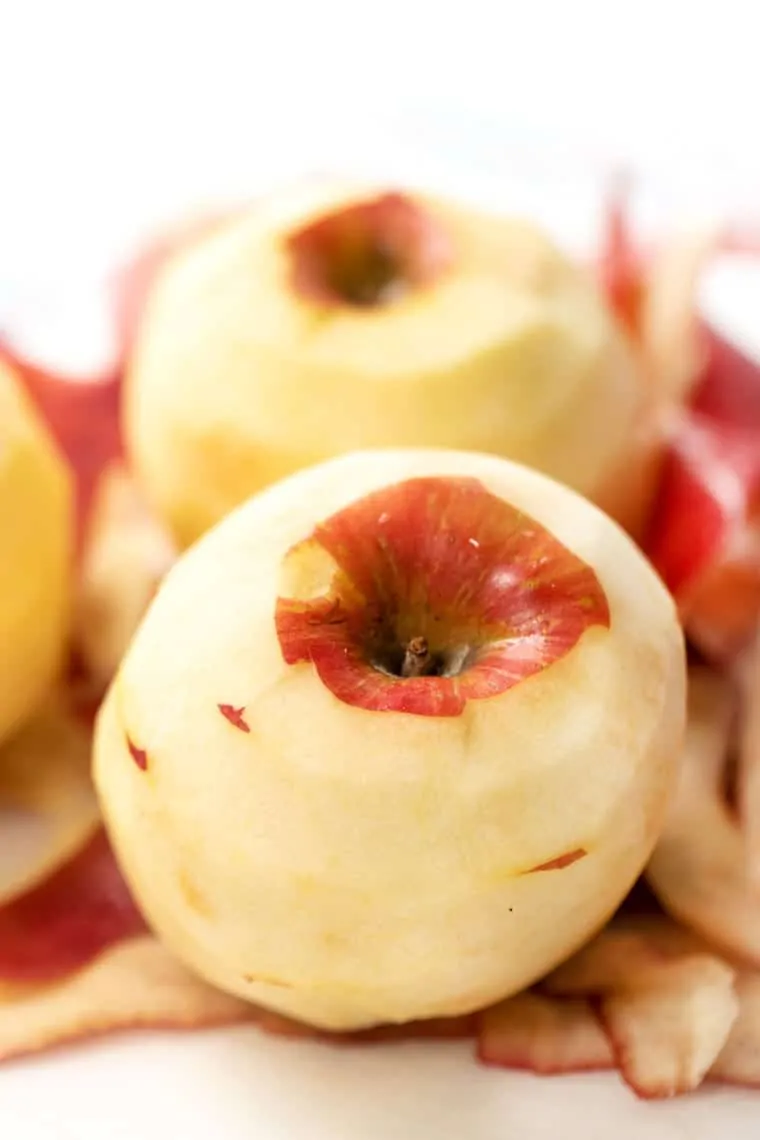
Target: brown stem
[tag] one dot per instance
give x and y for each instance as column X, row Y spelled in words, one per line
column 416, row 658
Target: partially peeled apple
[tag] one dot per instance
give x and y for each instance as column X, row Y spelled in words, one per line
column 340, row 317
column 395, row 738
column 36, row 537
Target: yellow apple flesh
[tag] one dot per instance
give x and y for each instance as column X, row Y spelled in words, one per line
column 489, row 339
column 36, row 531
column 347, row 866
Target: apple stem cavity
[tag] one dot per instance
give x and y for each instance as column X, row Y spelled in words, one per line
column 484, row 615
column 368, row 254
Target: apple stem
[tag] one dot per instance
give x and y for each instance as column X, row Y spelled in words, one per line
column 416, row 658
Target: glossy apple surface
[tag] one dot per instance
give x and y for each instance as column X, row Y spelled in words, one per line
column 331, row 318
column 394, row 738
column 36, row 527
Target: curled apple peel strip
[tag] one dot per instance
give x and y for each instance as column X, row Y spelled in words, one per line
column 653, row 290
column 544, row 1035
column 669, row 325
column 699, row 869
column 667, row 1003
column 47, row 805
column 134, row 984
column 739, row 1061
column 748, row 777
column 64, row 923
column 126, row 554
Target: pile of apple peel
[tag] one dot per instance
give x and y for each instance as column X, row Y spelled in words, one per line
column 669, row 996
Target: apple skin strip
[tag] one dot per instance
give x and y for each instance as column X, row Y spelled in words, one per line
column 125, row 555
column 79, row 911
column 739, row 1061
column 666, row 1002
column 748, row 776
column 48, row 808
column 544, row 1035
column 699, row 867
column 135, row 984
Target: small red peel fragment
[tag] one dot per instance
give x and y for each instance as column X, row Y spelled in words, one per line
column 561, row 861
column 139, row 755
column 235, row 716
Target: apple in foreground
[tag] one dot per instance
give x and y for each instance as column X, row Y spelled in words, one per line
column 335, row 318
column 36, row 531
column 395, row 738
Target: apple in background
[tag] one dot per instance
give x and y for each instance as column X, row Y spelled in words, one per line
column 36, row 530
column 339, row 317
column 134, row 280
column 65, row 351
column 395, row 738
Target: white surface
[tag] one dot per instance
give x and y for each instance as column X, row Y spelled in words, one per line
column 240, row 1084
column 113, row 115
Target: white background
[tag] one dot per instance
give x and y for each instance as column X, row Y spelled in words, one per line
column 112, row 112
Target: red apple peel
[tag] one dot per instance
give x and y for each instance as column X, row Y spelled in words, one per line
column 135, row 984
column 561, row 861
column 699, row 868
column 139, row 755
column 543, row 1035
column 68, row 920
column 666, row 1003
column 235, row 716
column 739, row 1061
column 490, row 597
